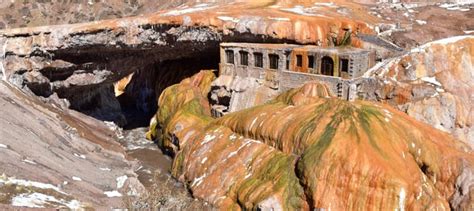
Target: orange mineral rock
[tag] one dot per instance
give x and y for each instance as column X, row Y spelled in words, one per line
column 304, row 150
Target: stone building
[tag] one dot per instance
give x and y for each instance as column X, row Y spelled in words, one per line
column 250, row 74
column 284, row 66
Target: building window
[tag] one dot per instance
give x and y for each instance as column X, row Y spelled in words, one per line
column 310, row 61
column 327, row 66
column 273, row 61
column 299, row 61
column 229, row 54
column 258, row 59
column 244, row 58
column 344, row 65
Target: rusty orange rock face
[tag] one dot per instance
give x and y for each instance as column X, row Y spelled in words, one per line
column 306, row 150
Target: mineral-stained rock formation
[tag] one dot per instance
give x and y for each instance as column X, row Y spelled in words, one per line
column 80, row 62
column 434, row 84
column 303, row 151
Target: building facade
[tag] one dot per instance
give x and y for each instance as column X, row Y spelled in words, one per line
column 283, row 66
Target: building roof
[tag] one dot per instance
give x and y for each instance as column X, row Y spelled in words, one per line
column 272, row 46
column 260, row 45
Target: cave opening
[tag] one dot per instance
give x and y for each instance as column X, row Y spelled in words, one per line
column 123, row 85
column 139, row 101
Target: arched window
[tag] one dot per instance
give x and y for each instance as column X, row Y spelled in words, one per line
column 327, row 66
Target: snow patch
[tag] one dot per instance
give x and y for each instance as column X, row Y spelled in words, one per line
column 298, row 9
column 421, row 22
column 76, row 178
column 198, row 180
column 3, row 146
column 121, row 181
column 325, row 4
column 227, row 18
column 196, row 8
column 80, row 156
column 105, row 169
column 279, row 19
column 112, row 194
column 203, row 160
column 10, row 180
column 445, row 41
column 38, row 200
column 208, row 138
column 401, row 202
column 29, row 161
column 232, row 137
column 431, row 80
column 468, row 31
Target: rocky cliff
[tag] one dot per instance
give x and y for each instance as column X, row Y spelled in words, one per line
column 434, row 84
column 55, row 158
column 304, row 150
column 80, row 62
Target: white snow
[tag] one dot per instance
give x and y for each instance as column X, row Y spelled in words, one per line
column 401, row 202
column 461, row 6
column 80, row 156
column 76, row 178
column 431, row 80
column 121, row 181
column 208, row 138
column 232, row 137
column 203, row 160
column 26, row 183
column 196, row 8
column 198, row 180
column 298, row 9
column 421, row 22
column 468, row 31
column 111, row 194
column 325, row 4
column 445, row 41
column 38, row 200
column 227, row 18
column 3, row 146
column 105, row 169
column 279, row 19
column 248, row 175
column 29, row 161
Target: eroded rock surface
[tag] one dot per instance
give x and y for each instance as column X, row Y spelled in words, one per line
column 56, row 158
column 71, row 60
column 303, row 151
column 434, row 84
